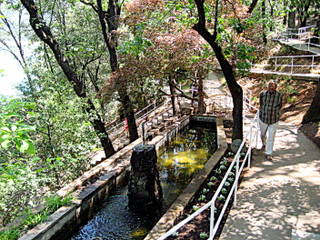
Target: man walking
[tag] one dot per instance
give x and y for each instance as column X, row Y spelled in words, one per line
column 269, row 115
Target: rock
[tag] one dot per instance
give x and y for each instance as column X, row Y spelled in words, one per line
column 144, row 193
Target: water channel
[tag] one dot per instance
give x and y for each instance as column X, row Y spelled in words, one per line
column 177, row 163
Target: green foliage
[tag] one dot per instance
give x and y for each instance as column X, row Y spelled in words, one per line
column 19, row 188
column 11, row 234
column 221, row 198
column 205, row 190
column 203, row 235
column 14, row 128
column 51, row 204
column 54, row 202
column 34, row 219
column 137, row 45
column 230, row 179
column 245, row 57
column 25, row 176
column 227, row 184
column 292, row 99
column 222, row 167
column 195, row 208
column 202, row 198
column 213, row 178
column 210, row 184
column 224, row 191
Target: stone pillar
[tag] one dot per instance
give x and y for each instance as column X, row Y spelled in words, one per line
column 144, row 193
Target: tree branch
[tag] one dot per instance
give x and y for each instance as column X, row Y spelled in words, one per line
column 216, row 12
column 45, row 34
column 90, row 4
column 252, row 6
column 200, row 26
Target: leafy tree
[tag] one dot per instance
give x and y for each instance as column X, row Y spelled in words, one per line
column 20, row 181
column 109, row 22
column 43, row 31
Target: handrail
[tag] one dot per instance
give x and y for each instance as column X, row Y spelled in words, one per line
column 121, row 123
column 302, row 28
column 236, row 162
column 295, row 56
column 277, row 63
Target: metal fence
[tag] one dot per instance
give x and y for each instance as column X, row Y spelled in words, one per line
column 304, row 36
column 119, row 124
column 291, row 62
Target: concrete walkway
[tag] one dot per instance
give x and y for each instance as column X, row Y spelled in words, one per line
column 300, row 45
column 279, row 200
column 217, row 97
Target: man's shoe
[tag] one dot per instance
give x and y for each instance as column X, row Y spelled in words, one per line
column 263, row 148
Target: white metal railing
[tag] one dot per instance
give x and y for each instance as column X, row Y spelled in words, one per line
column 277, row 62
column 304, row 35
column 309, row 43
column 250, row 137
column 301, row 33
column 139, row 115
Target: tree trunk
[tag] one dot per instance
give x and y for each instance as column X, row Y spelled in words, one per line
column 234, row 87
column 271, row 14
column 263, row 13
column 313, row 113
column 201, row 103
column 129, row 115
column 111, row 18
column 285, row 15
column 316, row 32
column 304, row 15
column 292, row 19
column 235, row 90
column 252, row 6
column 44, row 33
column 172, row 93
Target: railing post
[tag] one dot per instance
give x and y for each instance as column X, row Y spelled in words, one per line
column 291, row 65
column 250, row 147
column 143, row 132
column 312, row 62
column 212, row 208
column 236, row 180
column 309, row 44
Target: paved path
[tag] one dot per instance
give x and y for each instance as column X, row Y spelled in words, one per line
column 279, row 200
column 216, row 92
column 300, row 45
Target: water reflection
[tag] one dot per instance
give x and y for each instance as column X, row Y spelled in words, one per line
column 185, row 155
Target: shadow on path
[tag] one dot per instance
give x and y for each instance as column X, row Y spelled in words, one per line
column 279, row 196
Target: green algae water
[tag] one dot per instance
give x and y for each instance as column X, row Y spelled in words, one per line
column 186, row 154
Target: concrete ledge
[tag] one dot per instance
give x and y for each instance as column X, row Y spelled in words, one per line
column 55, row 222
column 176, row 209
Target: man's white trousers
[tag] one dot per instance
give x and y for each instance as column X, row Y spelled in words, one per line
column 268, row 132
